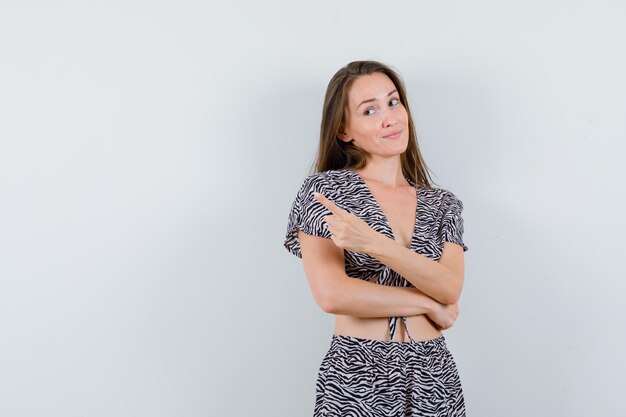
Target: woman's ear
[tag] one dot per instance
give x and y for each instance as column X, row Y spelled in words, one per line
column 343, row 136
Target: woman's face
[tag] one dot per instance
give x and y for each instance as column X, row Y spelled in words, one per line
column 374, row 114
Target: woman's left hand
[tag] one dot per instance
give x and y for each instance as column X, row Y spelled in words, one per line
column 348, row 231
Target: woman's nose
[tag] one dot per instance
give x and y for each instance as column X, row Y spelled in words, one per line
column 389, row 120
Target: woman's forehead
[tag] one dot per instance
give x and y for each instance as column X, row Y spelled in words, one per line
column 371, row 86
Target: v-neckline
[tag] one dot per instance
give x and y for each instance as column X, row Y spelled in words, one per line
column 382, row 213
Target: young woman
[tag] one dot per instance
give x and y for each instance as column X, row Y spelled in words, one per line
column 379, row 246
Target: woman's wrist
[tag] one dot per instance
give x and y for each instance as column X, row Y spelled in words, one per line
column 424, row 304
column 429, row 303
column 377, row 244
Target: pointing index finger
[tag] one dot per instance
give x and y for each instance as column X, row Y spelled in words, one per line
column 329, row 204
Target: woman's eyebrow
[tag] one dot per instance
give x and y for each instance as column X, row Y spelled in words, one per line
column 373, row 99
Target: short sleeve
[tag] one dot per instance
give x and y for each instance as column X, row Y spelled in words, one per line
column 451, row 229
column 307, row 213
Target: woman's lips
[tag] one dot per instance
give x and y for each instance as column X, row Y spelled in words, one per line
column 394, row 135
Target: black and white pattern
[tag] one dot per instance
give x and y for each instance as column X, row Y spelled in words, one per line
column 438, row 220
column 367, row 377
column 374, row 378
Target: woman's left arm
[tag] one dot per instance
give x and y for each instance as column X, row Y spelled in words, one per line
column 442, row 280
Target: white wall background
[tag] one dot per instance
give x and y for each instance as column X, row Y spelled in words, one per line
column 150, row 151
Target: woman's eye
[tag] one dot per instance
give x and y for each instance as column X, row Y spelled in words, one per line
column 391, row 101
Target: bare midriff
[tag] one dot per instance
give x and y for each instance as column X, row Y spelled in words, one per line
column 420, row 328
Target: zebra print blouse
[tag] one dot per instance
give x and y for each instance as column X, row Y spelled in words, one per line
column 438, row 220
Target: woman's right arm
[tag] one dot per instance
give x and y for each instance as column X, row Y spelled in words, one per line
column 336, row 293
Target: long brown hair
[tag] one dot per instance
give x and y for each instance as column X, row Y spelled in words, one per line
column 334, row 153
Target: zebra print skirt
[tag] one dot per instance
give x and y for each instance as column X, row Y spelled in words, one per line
column 366, row 377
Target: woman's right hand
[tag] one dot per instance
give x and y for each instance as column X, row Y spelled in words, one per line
column 444, row 315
